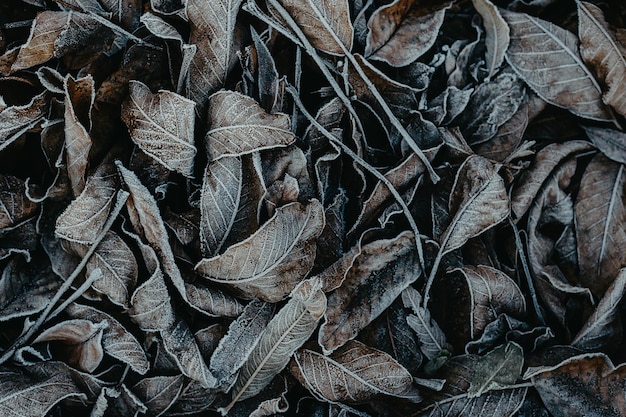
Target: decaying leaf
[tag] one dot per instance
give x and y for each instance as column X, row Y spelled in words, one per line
column 353, row 373
column 273, row 260
column 497, row 30
column 612, row 143
column 431, row 338
column 16, row 120
column 162, row 125
column 497, row 370
column 14, row 205
column 159, row 393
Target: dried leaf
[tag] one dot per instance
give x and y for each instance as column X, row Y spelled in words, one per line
column 285, row 333
column 273, row 260
column 497, row 370
column 584, row 385
column 14, row 205
column 159, row 393
column 116, row 340
column 547, row 58
column 213, row 31
column 193, row 400
column 600, row 216
column 377, row 276
column 325, row 23
column 479, row 202
column 604, row 325
column 497, row 39
column 431, row 338
column 354, row 373
column 162, row 125
column 612, row 143
column 238, row 125
column 83, row 340
column 604, row 49
column 404, row 30
column 212, row 301
column 16, row 120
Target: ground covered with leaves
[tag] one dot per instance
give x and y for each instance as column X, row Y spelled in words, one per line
column 312, row 207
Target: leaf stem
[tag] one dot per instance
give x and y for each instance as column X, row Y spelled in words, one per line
column 122, row 196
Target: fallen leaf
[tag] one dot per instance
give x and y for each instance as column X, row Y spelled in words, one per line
column 283, row 250
column 547, row 58
column 16, row 120
column 14, row 205
column 612, row 143
column 497, row 34
column 159, row 393
column 162, row 125
column 497, row 370
column 213, row 302
column 354, row 373
column 431, row 338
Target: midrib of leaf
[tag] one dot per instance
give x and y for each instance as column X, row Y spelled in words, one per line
column 607, row 36
column 615, row 195
column 242, row 126
column 229, row 222
column 428, row 327
column 393, row 33
column 492, row 376
column 465, row 397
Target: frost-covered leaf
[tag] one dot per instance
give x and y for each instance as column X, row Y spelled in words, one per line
column 159, row 393
column 14, row 205
column 612, row 143
column 16, row 120
column 431, row 338
column 499, row 369
column 162, row 125
column 212, row 301
column 497, row 39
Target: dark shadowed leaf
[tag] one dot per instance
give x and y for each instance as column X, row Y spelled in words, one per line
column 431, row 338
column 547, row 58
column 16, row 120
column 612, row 143
column 159, row 393
column 497, row 370
column 14, row 205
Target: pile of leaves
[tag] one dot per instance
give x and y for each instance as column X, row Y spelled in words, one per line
column 312, row 207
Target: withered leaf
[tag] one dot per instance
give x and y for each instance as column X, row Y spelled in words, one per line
column 213, row 31
column 123, row 12
column 212, row 301
column 431, row 338
column 377, row 276
column 285, row 333
column 600, row 216
column 547, row 58
column 83, row 339
column 162, row 125
column 242, row 337
column 497, row 370
column 194, row 399
column 273, row 260
column 354, row 373
column 604, row 324
column 325, row 23
column 604, row 49
column 116, row 340
column 479, row 202
column 584, row 385
column 14, row 205
column 497, row 30
column 16, row 120
column 238, row 125
column 404, row 30
column 612, row 143
column 159, row 393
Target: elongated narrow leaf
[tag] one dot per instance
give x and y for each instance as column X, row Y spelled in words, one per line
column 600, row 215
column 213, row 32
column 16, row 120
column 404, row 30
column 479, row 201
column 326, row 23
column 272, row 261
column 497, row 40
column 547, row 58
column 116, row 340
column 354, row 373
column 162, row 125
column 238, row 125
column 14, row 205
column 604, row 49
column 377, row 276
column 431, row 338
column 284, row 334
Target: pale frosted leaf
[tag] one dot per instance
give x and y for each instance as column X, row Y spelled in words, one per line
column 270, row 263
column 497, row 370
column 79, row 98
column 39, row 47
column 162, row 125
column 14, row 205
column 151, row 306
column 507, row 139
column 354, row 373
column 159, row 393
column 229, row 203
column 47, row 382
column 404, row 30
column 431, row 338
column 213, row 31
column 547, row 58
column 83, row 339
column 497, row 39
column 193, row 400
column 544, row 163
column 212, row 301
column 600, row 215
column 242, row 337
column 124, row 12
column 181, row 345
column 286, row 332
column 604, row 49
column 611, row 143
column 238, row 125
column 16, row 120
column 325, row 23
column 84, row 218
column 584, row 385
column 377, row 276
column 479, row 201
column 116, row 340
